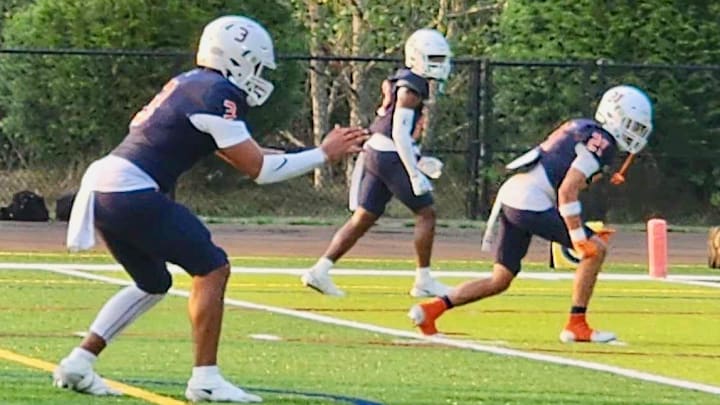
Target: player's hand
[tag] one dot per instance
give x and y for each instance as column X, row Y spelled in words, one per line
column 585, row 248
column 589, row 247
column 343, row 141
column 420, row 184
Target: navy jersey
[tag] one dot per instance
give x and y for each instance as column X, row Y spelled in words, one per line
column 557, row 152
column 402, row 78
column 163, row 142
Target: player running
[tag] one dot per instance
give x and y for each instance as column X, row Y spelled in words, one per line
column 389, row 166
column 542, row 200
column 123, row 196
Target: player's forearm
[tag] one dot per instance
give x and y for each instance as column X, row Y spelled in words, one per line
column 401, row 131
column 570, row 208
column 281, row 167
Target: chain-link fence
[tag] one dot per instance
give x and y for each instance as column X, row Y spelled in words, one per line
column 61, row 109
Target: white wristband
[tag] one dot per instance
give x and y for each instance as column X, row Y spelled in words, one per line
column 577, row 234
column 570, row 209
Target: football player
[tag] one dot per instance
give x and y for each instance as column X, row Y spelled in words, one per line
column 542, row 200
column 123, row 196
column 389, row 166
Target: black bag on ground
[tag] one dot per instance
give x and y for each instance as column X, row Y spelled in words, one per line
column 26, row 206
column 63, row 207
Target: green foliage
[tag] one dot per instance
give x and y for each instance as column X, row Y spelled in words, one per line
column 65, row 106
column 528, row 102
column 10, row 7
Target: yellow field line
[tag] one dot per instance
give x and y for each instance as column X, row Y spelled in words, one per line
column 124, row 388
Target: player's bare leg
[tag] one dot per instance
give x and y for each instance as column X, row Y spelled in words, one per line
column 577, row 328
column 205, row 308
column 318, row 277
column 93, row 343
column 425, row 285
column 424, row 235
column 425, row 314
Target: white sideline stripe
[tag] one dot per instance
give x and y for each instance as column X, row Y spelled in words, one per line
column 638, row 375
column 382, row 273
column 711, row 284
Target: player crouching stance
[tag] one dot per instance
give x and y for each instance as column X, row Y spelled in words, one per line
column 389, row 166
column 572, row 157
column 123, row 196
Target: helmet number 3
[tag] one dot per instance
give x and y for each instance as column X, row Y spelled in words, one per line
column 242, row 33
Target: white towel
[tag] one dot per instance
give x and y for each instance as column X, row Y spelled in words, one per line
column 81, row 226
column 488, row 239
column 355, row 179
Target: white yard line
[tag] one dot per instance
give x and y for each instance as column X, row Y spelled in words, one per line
column 625, row 372
column 560, row 275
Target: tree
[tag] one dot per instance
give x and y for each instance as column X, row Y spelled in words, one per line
column 62, row 107
column 528, row 102
column 10, row 7
column 379, row 29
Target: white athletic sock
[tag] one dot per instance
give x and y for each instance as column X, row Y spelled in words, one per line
column 79, row 353
column 204, row 374
column 422, row 273
column 121, row 310
column 323, row 266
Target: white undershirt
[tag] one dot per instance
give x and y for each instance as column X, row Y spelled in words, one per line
column 530, row 191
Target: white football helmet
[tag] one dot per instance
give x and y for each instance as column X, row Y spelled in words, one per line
column 239, row 48
column 626, row 113
column 427, row 54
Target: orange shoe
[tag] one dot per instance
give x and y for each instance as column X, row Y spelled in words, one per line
column 425, row 314
column 577, row 330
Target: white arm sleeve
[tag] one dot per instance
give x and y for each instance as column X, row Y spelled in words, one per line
column 226, row 133
column 285, row 166
column 401, row 133
column 585, row 161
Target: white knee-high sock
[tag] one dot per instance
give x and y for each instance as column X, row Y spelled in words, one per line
column 121, row 310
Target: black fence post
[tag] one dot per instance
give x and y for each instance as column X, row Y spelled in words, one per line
column 472, row 154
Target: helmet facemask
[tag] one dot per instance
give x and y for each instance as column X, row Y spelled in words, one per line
column 246, row 74
column 632, row 135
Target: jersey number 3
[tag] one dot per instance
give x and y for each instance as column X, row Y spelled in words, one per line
column 149, row 109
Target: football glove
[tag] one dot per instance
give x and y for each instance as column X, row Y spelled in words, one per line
column 420, row 184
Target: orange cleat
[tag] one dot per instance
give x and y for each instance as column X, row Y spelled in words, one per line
column 425, row 314
column 577, row 330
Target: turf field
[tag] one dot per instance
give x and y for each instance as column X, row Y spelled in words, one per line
column 360, row 349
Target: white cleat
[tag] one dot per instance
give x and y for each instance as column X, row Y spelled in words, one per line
column 321, row 283
column 429, row 287
column 217, row 389
column 78, row 375
column 568, row 336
